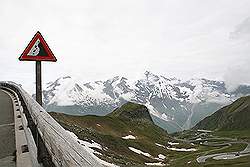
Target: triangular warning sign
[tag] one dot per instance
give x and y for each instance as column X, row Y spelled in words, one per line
column 37, row 50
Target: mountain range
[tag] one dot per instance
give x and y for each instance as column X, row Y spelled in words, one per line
column 174, row 104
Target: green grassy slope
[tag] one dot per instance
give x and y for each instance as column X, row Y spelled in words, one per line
column 134, row 119
column 235, row 116
column 130, row 119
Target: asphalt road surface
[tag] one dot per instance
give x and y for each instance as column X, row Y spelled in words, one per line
column 7, row 131
column 226, row 155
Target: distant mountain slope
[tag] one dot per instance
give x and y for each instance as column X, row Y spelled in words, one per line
column 235, row 116
column 127, row 136
column 174, row 104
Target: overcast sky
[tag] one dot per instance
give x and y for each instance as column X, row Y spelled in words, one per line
column 98, row 39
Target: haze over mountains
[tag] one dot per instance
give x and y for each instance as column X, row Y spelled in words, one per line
column 174, row 104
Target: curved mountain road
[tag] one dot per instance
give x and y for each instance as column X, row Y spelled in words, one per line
column 227, row 155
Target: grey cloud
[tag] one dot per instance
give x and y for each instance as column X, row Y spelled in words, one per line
column 242, row 31
column 236, row 76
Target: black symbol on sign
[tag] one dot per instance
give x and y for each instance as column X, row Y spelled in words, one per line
column 37, row 49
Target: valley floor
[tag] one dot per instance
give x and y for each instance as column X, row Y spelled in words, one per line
column 216, row 149
column 116, row 142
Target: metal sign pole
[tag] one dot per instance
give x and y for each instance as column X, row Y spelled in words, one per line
column 38, row 82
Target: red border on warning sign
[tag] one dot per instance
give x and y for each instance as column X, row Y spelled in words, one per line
column 49, row 57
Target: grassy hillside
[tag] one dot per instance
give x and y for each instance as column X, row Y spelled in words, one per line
column 235, row 116
column 153, row 142
column 130, row 119
column 132, row 112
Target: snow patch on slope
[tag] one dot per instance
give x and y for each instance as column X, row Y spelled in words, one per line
column 129, row 137
column 88, row 147
column 154, row 164
column 137, row 151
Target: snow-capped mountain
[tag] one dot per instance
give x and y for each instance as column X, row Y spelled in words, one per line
column 174, row 104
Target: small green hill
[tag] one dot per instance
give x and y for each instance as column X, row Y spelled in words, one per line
column 109, row 131
column 235, row 116
column 132, row 112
